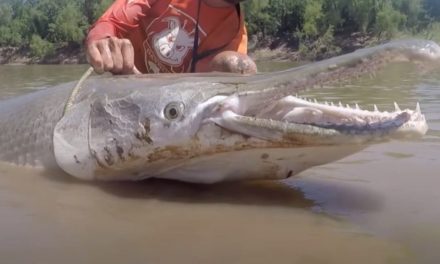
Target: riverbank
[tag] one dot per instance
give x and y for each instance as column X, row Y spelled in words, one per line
column 270, row 51
column 277, row 50
column 65, row 55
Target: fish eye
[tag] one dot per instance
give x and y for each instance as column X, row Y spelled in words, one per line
column 173, row 110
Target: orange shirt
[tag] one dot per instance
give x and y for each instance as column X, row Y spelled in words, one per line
column 162, row 32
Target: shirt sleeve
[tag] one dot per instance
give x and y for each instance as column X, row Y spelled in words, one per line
column 239, row 44
column 121, row 17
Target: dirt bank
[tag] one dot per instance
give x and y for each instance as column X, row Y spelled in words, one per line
column 269, row 51
column 65, row 55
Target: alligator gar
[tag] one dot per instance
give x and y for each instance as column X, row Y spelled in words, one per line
column 204, row 127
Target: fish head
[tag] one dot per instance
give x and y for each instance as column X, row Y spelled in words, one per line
column 194, row 128
column 119, row 131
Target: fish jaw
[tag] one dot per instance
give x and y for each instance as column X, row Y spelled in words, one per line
column 268, row 163
column 293, row 119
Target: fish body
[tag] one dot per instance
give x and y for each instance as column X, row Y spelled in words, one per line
column 204, row 127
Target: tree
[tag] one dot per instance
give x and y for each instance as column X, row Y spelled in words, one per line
column 388, row 21
column 69, row 25
column 312, row 16
column 433, row 8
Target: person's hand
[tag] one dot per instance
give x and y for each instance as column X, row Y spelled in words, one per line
column 112, row 55
column 232, row 61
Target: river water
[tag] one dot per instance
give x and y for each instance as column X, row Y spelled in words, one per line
column 381, row 205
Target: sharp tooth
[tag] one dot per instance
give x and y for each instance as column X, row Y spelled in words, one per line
column 397, row 108
column 357, row 107
column 418, row 108
column 332, row 104
column 348, row 106
column 376, row 109
column 340, row 104
column 315, row 101
column 326, row 103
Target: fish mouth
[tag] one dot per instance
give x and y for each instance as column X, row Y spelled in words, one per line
column 293, row 119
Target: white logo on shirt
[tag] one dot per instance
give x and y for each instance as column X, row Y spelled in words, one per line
column 172, row 44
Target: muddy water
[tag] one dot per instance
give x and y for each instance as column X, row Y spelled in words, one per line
column 389, row 189
column 379, row 206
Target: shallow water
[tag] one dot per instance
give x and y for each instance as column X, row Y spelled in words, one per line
column 381, row 205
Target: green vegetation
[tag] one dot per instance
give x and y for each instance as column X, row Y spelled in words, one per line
column 45, row 25
column 314, row 27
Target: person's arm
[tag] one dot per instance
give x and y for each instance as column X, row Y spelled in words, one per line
column 232, row 61
column 107, row 48
column 233, row 58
